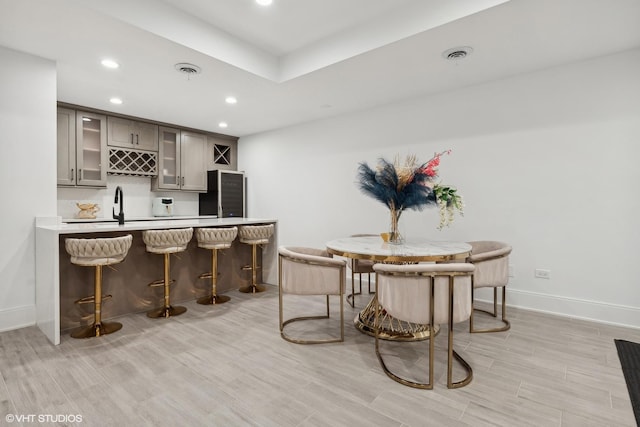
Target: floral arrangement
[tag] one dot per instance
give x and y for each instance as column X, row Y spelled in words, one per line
column 410, row 185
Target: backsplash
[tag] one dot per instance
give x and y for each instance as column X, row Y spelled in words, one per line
column 137, row 198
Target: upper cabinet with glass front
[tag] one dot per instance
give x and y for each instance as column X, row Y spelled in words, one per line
column 181, row 161
column 91, row 149
column 82, row 149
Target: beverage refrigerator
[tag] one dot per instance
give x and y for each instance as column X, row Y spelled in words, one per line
column 225, row 196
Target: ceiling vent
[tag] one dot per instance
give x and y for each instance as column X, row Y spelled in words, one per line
column 457, row 53
column 188, row 69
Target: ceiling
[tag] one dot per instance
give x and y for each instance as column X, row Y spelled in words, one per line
column 299, row 60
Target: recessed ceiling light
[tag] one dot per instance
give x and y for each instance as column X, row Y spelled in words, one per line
column 86, row 119
column 117, row 101
column 264, row 2
column 110, row 63
column 457, row 53
column 222, row 124
column 231, row 100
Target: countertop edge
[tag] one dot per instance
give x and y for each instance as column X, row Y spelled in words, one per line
column 54, row 224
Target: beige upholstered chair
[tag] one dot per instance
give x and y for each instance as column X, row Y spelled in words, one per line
column 308, row 271
column 254, row 235
column 429, row 294
column 97, row 253
column 214, row 239
column 359, row 267
column 166, row 242
column 492, row 270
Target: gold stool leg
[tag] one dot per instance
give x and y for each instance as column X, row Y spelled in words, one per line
column 167, row 310
column 254, row 287
column 98, row 328
column 214, row 298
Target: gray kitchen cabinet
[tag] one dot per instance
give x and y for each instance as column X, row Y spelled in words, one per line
column 82, row 149
column 222, row 153
column 181, row 161
column 132, row 134
column 66, row 147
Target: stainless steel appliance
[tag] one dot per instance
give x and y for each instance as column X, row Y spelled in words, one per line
column 162, row 206
column 225, row 196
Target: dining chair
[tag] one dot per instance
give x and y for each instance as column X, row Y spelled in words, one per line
column 308, row 271
column 491, row 259
column 428, row 294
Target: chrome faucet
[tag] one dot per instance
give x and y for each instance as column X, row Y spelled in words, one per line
column 119, row 197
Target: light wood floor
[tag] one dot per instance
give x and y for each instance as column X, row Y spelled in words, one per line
column 227, row 366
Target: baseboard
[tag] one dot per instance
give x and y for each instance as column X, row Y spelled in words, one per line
column 575, row 308
column 612, row 314
column 18, row 317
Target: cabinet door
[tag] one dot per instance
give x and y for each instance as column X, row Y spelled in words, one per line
column 66, row 147
column 132, row 134
column 146, row 136
column 91, row 149
column 231, row 189
column 120, row 132
column 168, row 160
column 193, row 161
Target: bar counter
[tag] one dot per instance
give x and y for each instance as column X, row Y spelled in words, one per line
column 59, row 283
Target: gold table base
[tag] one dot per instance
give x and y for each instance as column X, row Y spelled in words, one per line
column 391, row 329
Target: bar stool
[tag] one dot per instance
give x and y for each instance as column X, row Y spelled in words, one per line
column 97, row 253
column 166, row 242
column 214, row 239
column 254, row 235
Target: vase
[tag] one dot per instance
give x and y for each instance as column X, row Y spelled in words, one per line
column 395, row 237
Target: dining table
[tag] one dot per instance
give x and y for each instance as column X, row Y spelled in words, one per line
column 411, row 250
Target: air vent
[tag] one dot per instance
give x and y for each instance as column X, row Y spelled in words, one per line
column 188, row 69
column 457, row 53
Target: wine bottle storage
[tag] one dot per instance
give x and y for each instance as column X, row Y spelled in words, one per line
column 132, row 162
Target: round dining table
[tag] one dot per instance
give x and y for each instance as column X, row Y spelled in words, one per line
column 373, row 247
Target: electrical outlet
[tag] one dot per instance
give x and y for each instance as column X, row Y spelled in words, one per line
column 542, row 274
column 511, row 271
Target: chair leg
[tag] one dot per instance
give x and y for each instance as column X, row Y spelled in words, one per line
column 167, row 310
column 284, row 323
column 506, row 324
column 397, row 378
column 254, row 287
column 98, row 328
column 214, row 298
column 451, row 352
column 351, row 298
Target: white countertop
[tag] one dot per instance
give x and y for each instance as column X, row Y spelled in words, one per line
column 55, row 224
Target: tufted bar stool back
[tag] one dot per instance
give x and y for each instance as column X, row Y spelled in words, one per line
column 214, row 239
column 166, row 242
column 254, row 235
column 97, row 253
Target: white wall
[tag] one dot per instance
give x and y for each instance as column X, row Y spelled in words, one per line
column 28, row 174
column 546, row 161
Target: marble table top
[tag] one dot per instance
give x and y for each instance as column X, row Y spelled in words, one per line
column 374, row 248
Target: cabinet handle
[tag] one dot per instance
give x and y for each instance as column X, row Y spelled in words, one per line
column 131, row 138
column 183, row 181
column 137, row 139
column 71, row 175
column 80, row 175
